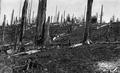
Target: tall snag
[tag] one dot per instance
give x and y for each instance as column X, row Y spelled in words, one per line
column 61, row 19
column 58, row 16
column 12, row 16
column 20, row 9
column 64, row 16
column 55, row 17
column 33, row 17
column 41, row 19
column 101, row 14
column 23, row 20
column 47, row 40
column 3, row 29
column 88, row 17
column 51, row 19
column 84, row 15
column 29, row 11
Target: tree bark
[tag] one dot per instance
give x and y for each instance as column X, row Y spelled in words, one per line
column 41, row 19
column 29, row 11
column 3, row 28
column 101, row 14
column 12, row 17
column 23, row 20
column 88, row 17
column 47, row 34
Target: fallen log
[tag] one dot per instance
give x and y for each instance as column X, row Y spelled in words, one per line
column 27, row 52
column 107, row 42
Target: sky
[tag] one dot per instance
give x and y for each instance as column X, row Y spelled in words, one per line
column 73, row 7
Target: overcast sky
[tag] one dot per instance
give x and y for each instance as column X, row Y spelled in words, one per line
column 76, row 7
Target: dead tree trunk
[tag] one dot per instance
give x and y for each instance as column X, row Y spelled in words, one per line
column 51, row 19
column 20, row 9
column 47, row 35
column 88, row 17
column 101, row 15
column 58, row 16
column 41, row 19
column 30, row 11
column 33, row 18
column 61, row 19
column 23, row 20
column 55, row 17
column 3, row 28
column 84, row 15
column 15, row 43
column 12, row 17
column 64, row 16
